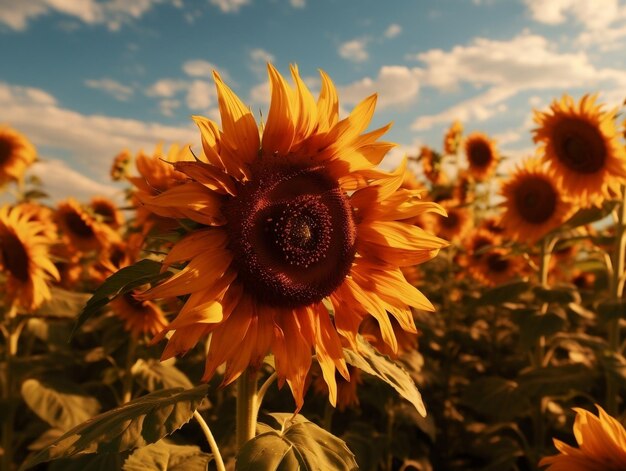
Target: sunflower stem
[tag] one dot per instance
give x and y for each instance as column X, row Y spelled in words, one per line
column 127, row 381
column 11, row 340
column 217, row 456
column 246, row 407
column 261, row 394
column 617, row 288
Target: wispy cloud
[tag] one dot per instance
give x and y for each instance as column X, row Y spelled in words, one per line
column 111, row 87
column 392, row 31
column 229, row 6
column 202, row 68
column 112, row 13
column 298, row 3
column 259, row 59
column 354, row 50
column 395, row 85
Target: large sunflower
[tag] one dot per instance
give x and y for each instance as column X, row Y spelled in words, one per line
column 601, row 445
column 84, row 232
column 581, row 143
column 533, row 204
column 290, row 219
column 482, row 156
column 16, row 154
column 24, row 259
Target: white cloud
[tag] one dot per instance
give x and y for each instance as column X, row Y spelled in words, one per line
column 229, row 6
column 393, row 30
column 202, row 68
column 111, row 87
column 395, row 85
column 500, row 66
column 200, row 95
column 603, row 20
column 168, row 106
column 112, row 13
column 166, row 88
column 261, row 56
column 354, row 50
column 478, row 108
column 260, row 94
column 298, row 3
column 61, row 182
column 90, row 141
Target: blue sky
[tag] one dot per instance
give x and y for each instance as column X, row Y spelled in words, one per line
column 85, row 79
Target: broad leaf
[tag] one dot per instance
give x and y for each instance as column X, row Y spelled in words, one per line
column 153, row 375
column 372, row 362
column 63, row 303
column 140, row 422
column 588, row 215
column 503, row 293
column 496, row 398
column 537, row 325
column 123, row 281
column 297, row 445
column 166, row 456
column 59, row 402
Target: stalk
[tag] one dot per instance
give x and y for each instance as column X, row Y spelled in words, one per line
column 246, row 407
column 219, row 462
column 617, row 288
column 127, row 380
column 11, row 339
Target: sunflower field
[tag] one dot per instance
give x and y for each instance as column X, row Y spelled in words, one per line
column 270, row 298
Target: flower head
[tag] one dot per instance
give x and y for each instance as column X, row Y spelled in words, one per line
column 482, row 156
column 581, row 144
column 601, row 445
column 84, row 232
column 25, row 259
column 16, row 154
column 290, row 219
column 533, row 204
column 432, row 164
column 452, row 139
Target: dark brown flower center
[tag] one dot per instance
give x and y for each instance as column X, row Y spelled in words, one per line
column 497, row 263
column 479, row 154
column 579, row 145
column 535, row 199
column 105, row 211
column 13, row 256
column 78, row 226
column 292, row 234
column 452, row 221
column 132, row 301
column 6, row 148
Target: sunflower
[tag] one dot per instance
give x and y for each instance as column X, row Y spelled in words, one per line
column 24, row 259
column 601, row 445
column 121, row 163
column 156, row 175
column 16, row 154
column 482, row 156
column 581, row 143
column 370, row 330
column 452, row 139
column 456, row 224
column 84, row 232
column 497, row 266
column 42, row 215
column 533, row 204
column 289, row 219
column 106, row 211
column 432, row 164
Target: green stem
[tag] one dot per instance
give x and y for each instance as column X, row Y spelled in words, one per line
column 219, row 462
column 261, row 394
column 246, row 407
column 10, row 353
column 127, row 380
column 617, row 287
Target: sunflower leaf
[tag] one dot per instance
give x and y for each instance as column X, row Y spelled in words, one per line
column 370, row 361
column 140, row 422
column 123, row 281
column 297, row 444
column 153, row 375
column 59, row 402
column 163, row 455
column 588, row 215
column 62, row 303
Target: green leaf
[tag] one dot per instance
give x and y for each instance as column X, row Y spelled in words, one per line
column 166, row 456
column 612, row 309
column 537, row 325
column 153, row 375
column 63, row 303
column 503, row 293
column 92, row 462
column 589, row 215
column 372, row 362
column 59, row 402
column 140, row 422
column 561, row 295
column 556, row 380
column 123, row 281
column 297, row 445
column 496, row 398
